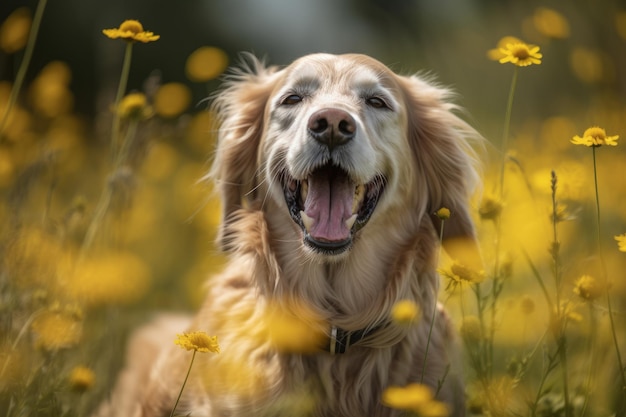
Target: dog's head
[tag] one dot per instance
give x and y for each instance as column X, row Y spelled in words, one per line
column 340, row 144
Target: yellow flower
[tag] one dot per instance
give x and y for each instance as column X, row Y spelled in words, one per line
column 490, row 208
column 198, row 341
column 56, row 330
column 130, row 31
column 206, row 63
column 81, row 379
column 621, row 242
column 443, row 213
column 405, row 312
column 587, row 288
column 14, row 31
column 134, row 106
column 461, row 273
column 520, row 54
column 171, row 99
column 495, row 54
column 551, row 23
column 595, row 136
column 470, row 329
column 417, row 398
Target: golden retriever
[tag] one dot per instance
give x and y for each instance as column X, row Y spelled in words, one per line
column 330, row 171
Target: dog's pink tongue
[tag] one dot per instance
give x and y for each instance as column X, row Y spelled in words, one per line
column 329, row 205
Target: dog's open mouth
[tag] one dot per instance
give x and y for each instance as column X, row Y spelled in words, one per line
column 329, row 207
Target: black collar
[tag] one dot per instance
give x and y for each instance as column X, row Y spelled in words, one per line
column 340, row 339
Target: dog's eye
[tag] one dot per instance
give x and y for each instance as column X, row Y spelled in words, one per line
column 376, row 102
column 291, row 99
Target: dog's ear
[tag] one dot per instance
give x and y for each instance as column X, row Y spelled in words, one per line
column 239, row 109
column 443, row 147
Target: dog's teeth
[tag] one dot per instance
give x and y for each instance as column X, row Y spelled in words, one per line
column 306, row 220
column 359, row 194
column 350, row 222
column 304, row 189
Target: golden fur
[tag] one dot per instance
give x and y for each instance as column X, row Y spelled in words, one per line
column 406, row 136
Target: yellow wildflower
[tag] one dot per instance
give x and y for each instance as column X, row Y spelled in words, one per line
column 461, row 273
column 551, row 23
column 621, row 242
column 587, row 288
column 443, row 213
column 293, row 327
column 495, row 54
column 56, row 330
column 134, row 106
column 172, row 99
column 470, row 329
column 14, row 30
column 206, row 63
column 405, row 312
column 81, row 379
column 130, row 31
column 417, row 398
column 520, row 54
column 198, row 341
column 595, row 136
column 490, row 208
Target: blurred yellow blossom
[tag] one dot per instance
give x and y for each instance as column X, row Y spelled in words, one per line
column 470, row 329
column 527, row 305
column 595, row 136
column 587, row 288
column 56, row 330
column 50, row 93
column 292, row 326
column 443, row 213
column 198, row 341
column 458, row 273
column 415, row 397
column 206, row 63
column 81, row 378
column 14, row 30
column 405, row 312
column 496, row 54
column 134, row 106
column 587, row 64
column 551, row 23
column 172, row 99
column 108, row 278
column 520, row 54
column 621, row 242
column 131, row 30
column 490, row 208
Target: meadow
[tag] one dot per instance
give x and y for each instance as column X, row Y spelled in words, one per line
column 104, row 219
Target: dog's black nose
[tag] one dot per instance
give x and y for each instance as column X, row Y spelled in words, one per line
column 332, row 127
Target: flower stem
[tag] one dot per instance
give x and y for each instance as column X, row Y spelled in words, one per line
column 432, row 320
column 182, row 388
column 604, row 273
column 507, row 125
column 121, row 89
column 21, row 73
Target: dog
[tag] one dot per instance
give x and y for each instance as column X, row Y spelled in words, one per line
column 330, row 171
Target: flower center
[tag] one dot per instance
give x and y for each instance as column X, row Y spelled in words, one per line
column 520, row 51
column 131, row 26
column 596, row 132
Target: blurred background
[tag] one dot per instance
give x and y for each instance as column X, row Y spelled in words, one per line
column 155, row 241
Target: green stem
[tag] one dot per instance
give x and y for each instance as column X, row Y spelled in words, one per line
column 21, row 73
column 432, row 320
column 507, row 125
column 604, row 273
column 182, row 388
column 121, row 90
